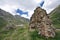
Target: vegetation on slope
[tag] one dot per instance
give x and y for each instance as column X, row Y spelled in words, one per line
column 23, row 33
column 2, row 23
column 55, row 17
column 11, row 26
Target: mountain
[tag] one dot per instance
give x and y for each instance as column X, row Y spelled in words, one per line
column 5, row 18
column 20, row 19
column 55, row 17
column 9, row 23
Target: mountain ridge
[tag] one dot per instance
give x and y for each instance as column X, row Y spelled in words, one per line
column 55, row 16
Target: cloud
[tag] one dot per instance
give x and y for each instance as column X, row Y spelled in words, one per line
column 24, row 5
column 49, row 5
column 27, row 6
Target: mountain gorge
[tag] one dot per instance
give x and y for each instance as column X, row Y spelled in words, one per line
column 15, row 27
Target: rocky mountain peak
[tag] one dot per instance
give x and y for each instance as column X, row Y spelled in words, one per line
column 42, row 23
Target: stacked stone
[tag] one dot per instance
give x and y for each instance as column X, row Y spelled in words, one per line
column 41, row 22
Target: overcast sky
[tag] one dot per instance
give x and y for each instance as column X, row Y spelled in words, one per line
column 27, row 6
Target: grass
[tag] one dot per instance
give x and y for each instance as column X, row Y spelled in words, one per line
column 2, row 23
column 4, row 34
column 34, row 36
column 23, row 33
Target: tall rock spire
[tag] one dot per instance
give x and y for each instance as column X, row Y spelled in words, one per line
column 41, row 21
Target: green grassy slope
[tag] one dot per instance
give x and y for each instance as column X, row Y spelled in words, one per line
column 2, row 23
column 20, row 33
column 55, row 17
column 11, row 31
column 23, row 33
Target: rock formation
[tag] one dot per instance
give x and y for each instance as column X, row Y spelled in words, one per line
column 42, row 23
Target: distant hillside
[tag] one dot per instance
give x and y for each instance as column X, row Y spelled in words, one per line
column 8, row 17
column 55, row 16
column 9, row 23
column 5, row 18
column 21, row 20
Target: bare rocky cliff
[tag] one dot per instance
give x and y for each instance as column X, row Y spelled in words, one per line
column 41, row 22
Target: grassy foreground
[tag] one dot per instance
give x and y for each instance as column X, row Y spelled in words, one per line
column 22, row 33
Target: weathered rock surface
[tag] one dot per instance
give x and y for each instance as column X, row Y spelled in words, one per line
column 41, row 22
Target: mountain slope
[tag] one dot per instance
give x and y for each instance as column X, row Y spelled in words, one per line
column 5, row 18
column 21, row 20
column 9, row 24
column 55, row 16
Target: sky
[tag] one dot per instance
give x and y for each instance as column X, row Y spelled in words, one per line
column 25, row 8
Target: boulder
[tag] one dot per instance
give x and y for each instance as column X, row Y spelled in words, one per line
column 42, row 23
